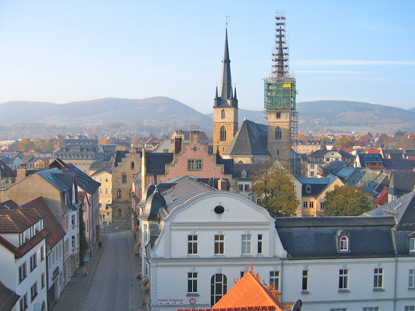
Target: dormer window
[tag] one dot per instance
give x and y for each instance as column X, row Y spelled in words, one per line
column 343, row 241
column 412, row 245
column 344, row 244
column 243, row 174
column 308, row 189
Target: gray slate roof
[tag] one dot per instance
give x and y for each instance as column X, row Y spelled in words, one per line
column 401, row 182
column 156, row 162
column 251, row 139
column 315, row 237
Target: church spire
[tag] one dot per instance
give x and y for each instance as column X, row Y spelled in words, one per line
column 226, row 86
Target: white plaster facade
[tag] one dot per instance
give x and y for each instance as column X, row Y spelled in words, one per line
column 32, row 287
column 171, row 266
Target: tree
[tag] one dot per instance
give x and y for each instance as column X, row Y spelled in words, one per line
column 83, row 244
column 25, row 145
column 346, row 201
column 343, row 141
column 274, row 187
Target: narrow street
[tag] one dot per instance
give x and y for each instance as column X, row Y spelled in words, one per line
column 114, row 285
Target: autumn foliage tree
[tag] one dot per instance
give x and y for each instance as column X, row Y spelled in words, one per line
column 274, row 187
column 346, row 201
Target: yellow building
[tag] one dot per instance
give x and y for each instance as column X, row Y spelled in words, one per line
column 105, row 195
column 313, row 194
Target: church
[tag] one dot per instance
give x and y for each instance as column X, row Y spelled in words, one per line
column 253, row 142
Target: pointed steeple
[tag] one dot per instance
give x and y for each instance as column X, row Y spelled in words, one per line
column 226, row 86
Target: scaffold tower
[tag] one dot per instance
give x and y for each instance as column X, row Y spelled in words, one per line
column 280, row 100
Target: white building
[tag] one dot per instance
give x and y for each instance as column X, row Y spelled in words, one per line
column 23, row 257
column 196, row 241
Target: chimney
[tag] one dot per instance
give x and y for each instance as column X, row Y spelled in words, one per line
column 177, row 144
column 223, row 185
column 21, row 172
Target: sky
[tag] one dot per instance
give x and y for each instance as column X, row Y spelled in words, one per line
column 75, row 50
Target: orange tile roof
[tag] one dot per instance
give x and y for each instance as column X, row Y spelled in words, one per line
column 248, row 292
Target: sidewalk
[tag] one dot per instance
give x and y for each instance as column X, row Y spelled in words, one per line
column 74, row 293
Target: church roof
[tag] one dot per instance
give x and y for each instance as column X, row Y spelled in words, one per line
column 251, row 139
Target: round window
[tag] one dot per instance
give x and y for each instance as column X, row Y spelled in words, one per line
column 219, row 209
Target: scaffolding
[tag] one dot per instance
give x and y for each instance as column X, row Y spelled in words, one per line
column 280, row 88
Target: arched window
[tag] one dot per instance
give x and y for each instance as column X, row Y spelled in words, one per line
column 222, row 114
column 124, row 178
column 218, row 287
column 278, row 134
column 344, row 244
column 119, row 193
column 132, row 165
column 222, row 133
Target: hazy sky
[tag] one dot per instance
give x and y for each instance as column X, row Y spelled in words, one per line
column 64, row 51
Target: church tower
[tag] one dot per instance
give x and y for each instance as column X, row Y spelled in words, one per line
column 280, row 101
column 225, row 108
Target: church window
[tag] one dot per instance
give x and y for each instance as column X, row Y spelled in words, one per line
column 278, row 134
column 124, row 178
column 132, row 165
column 222, row 114
column 119, row 193
column 278, row 115
column 222, row 133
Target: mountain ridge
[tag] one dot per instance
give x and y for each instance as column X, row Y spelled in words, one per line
column 162, row 114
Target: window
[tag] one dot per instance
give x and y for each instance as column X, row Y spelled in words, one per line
column 344, row 244
column 218, row 287
column 259, row 243
column 73, row 220
column 42, row 253
column 321, row 205
column 311, row 204
column 304, row 284
column 22, row 272
column 241, row 188
column 305, row 204
column 119, row 193
column 411, row 283
column 219, row 244
column 308, row 189
column 23, row 302
column 194, row 165
column 33, row 292
column 343, row 279
column 124, row 178
column 412, row 245
column 222, row 133
column 371, row 309
column 73, row 241
column 338, row 309
column 278, row 115
column 409, row 308
column 33, row 262
column 132, row 165
column 274, row 279
column 100, row 190
column 378, row 278
column 246, row 244
column 278, row 134
column 106, row 190
column 192, row 244
column 192, row 282
column 42, row 280
column 222, row 114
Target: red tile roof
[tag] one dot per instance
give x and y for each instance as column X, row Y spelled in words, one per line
column 50, row 223
column 249, row 292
